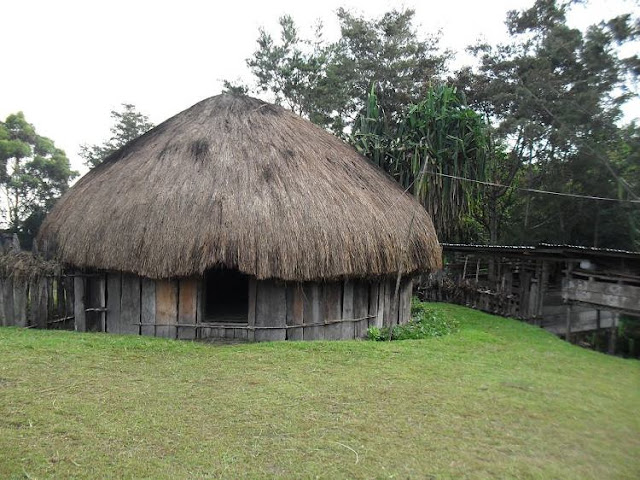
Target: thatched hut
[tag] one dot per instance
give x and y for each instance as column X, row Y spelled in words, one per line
column 237, row 218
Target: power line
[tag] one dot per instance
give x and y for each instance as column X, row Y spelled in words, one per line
column 535, row 190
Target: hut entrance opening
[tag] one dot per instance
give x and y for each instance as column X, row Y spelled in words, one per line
column 226, row 296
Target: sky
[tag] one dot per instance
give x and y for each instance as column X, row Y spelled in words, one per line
column 67, row 64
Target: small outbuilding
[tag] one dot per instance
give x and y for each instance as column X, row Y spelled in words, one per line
column 238, row 219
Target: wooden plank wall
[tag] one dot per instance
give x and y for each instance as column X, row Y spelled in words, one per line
column 123, row 303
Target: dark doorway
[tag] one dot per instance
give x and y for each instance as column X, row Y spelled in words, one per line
column 226, row 296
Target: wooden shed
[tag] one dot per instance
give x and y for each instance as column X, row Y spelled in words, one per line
column 238, row 219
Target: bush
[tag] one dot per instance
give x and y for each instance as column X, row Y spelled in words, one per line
column 425, row 323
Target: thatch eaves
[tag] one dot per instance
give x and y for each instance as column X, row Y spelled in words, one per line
column 236, row 182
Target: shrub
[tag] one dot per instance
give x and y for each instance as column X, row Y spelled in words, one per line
column 425, row 323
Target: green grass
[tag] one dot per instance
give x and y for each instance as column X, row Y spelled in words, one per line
column 497, row 399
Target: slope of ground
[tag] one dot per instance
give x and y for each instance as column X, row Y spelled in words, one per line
column 498, row 399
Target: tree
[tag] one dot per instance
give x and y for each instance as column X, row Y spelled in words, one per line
column 33, row 174
column 128, row 125
column 428, row 150
column 555, row 94
column 329, row 82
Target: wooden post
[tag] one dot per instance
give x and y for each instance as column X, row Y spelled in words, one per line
column 20, row 302
column 361, row 308
column 114, row 292
column 613, row 334
column 295, row 311
column 187, row 306
column 166, row 308
column 78, row 304
column 130, row 304
column 251, row 317
column 373, row 304
column 567, row 335
column 40, row 302
column 333, row 310
column 347, row 329
column 148, row 307
column 313, row 311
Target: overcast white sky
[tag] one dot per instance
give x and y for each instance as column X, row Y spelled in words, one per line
column 67, row 64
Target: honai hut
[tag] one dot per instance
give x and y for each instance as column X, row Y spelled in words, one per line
column 239, row 219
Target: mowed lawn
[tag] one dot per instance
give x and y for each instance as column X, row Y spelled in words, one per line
column 498, row 399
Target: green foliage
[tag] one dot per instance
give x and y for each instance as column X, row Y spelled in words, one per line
column 437, row 139
column 128, row 125
column 33, row 174
column 555, row 94
column 329, row 82
column 426, row 322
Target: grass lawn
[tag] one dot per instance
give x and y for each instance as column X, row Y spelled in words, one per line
column 498, row 399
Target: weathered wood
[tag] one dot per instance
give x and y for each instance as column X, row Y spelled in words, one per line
column 20, row 303
column 361, row 308
column 295, row 310
column 148, row 306
column 374, row 304
column 187, row 307
column 388, row 318
column 78, row 304
column 332, row 293
column 166, row 308
column 3, row 320
column 271, row 310
column 382, row 295
column 7, row 294
column 42, row 302
column 313, row 311
column 626, row 297
column 114, row 293
column 251, row 315
column 200, row 306
column 347, row 329
column 130, row 304
column 567, row 334
column 95, row 299
column 404, row 309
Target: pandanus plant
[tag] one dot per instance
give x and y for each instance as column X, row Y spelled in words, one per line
column 428, row 150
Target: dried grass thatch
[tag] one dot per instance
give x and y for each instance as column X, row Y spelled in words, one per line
column 238, row 182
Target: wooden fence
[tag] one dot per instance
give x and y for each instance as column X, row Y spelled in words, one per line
column 37, row 301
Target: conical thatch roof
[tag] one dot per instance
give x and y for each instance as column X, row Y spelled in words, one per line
column 238, row 182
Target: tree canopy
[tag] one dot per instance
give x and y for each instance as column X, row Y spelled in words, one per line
column 128, row 124
column 33, row 174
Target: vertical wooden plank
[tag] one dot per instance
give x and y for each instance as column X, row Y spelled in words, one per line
column 567, row 335
column 373, row 303
column 20, row 302
column 187, row 305
column 382, row 293
column 3, row 320
column 406, row 291
column 95, row 299
column 78, row 304
column 251, row 318
column 148, row 307
column 313, row 311
column 42, row 302
column 295, row 311
column 361, row 308
column 130, row 304
column 271, row 310
column 333, row 310
column 347, row 330
column 166, row 308
column 389, row 286
column 114, row 292
column 199, row 305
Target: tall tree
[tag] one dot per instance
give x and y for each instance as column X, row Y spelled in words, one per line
column 555, row 94
column 329, row 82
column 33, row 174
column 128, row 124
